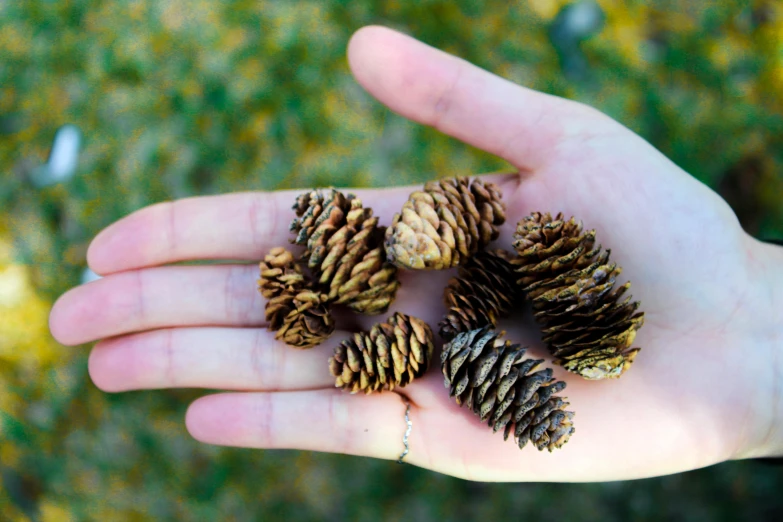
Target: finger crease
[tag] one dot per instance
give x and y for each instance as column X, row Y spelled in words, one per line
column 260, row 235
column 172, row 228
column 465, row 456
column 442, row 106
column 343, row 437
column 278, row 367
column 264, row 416
column 256, row 358
column 228, row 296
column 523, row 158
column 140, row 298
column 238, row 302
column 171, row 374
column 420, row 438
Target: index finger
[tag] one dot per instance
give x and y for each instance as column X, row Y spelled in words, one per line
column 238, row 226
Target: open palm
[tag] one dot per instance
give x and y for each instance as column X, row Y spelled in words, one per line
column 701, row 391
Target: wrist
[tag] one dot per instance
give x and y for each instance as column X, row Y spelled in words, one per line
column 769, row 259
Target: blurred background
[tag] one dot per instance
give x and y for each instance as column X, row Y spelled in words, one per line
column 165, row 99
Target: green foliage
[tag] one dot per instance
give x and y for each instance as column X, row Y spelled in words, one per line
column 202, row 96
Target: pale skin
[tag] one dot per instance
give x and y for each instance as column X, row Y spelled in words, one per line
column 706, row 387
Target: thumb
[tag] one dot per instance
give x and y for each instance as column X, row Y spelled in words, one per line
column 431, row 87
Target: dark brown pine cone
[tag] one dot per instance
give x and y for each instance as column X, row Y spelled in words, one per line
column 309, row 323
column 493, row 379
column 391, row 354
column 344, row 248
column 280, row 274
column 572, row 286
column 446, row 223
column 484, row 291
column 298, row 316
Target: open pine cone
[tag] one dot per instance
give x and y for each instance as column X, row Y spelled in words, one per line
column 344, row 248
column 298, row 315
column 494, row 379
column 484, row 291
column 446, row 223
column 391, row 354
column 575, row 298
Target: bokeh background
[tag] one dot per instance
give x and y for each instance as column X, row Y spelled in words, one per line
column 176, row 98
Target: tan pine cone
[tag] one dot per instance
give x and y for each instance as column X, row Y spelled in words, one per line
column 344, row 248
column 484, row 291
column 446, row 223
column 391, row 354
column 298, row 315
column 494, row 379
column 572, row 286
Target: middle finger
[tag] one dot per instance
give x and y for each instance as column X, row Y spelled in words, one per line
column 216, row 358
column 210, row 295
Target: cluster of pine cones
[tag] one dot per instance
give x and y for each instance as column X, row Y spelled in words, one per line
column 344, row 263
column 556, row 266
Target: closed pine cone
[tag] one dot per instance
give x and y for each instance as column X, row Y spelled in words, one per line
column 344, row 248
column 572, row 286
column 494, row 379
column 391, row 354
column 280, row 274
column 484, row 291
column 298, row 315
column 446, row 223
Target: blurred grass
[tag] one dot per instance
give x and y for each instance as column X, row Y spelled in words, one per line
column 200, row 97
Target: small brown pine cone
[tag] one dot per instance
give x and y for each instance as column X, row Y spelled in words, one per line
column 446, row 223
column 572, row 286
column 309, row 323
column 280, row 274
column 494, row 379
column 391, row 354
column 298, row 315
column 282, row 278
column 484, row 291
column 319, row 215
column 344, row 248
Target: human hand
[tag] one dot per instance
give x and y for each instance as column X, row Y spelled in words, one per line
column 706, row 387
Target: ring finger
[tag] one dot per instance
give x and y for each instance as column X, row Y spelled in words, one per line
column 319, row 420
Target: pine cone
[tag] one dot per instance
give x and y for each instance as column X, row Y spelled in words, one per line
column 391, row 354
column 298, row 315
column 344, row 249
column 493, row 379
column 446, row 223
column 280, row 274
column 485, row 290
column 572, row 286
column 309, row 323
